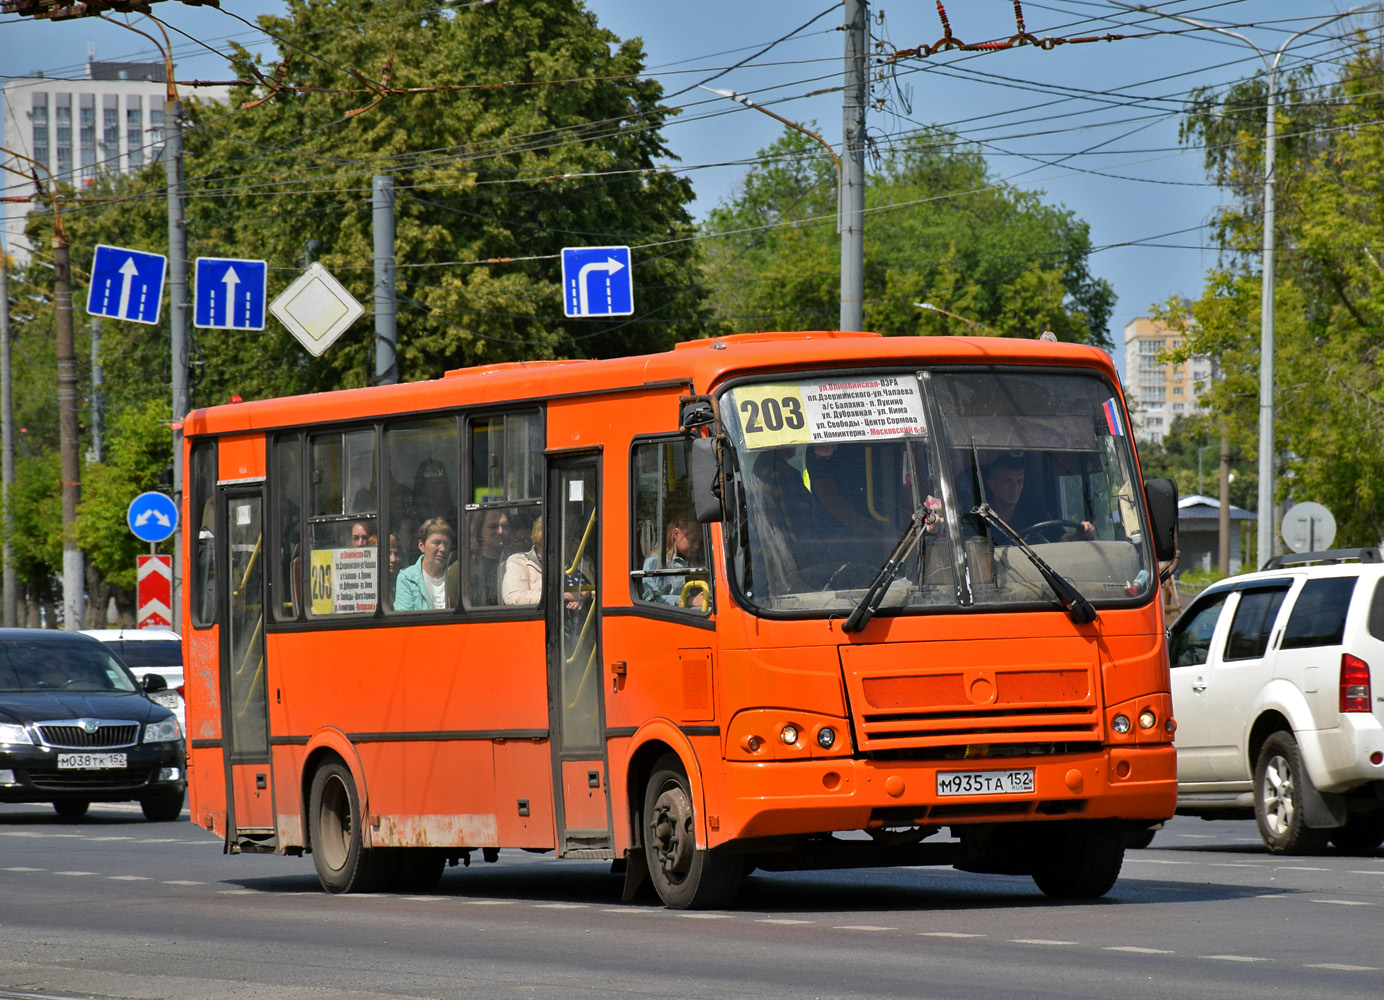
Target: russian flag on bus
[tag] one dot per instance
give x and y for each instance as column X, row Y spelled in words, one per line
column 1112, row 418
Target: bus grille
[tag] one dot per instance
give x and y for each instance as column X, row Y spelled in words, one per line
column 71, row 736
column 989, row 693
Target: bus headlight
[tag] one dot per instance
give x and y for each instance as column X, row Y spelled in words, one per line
column 1120, row 724
column 789, row 735
column 826, row 737
column 1147, row 719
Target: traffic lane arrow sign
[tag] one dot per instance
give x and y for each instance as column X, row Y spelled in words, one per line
column 597, row 281
column 126, row 284
column 230, row 294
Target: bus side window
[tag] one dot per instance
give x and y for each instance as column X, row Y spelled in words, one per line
column 422, row 459
column 504, row 501
column 203, row 488
column 286, row 527
column 668, row 553
column 342, row 574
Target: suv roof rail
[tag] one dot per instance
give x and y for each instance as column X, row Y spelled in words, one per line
column 1328, row 556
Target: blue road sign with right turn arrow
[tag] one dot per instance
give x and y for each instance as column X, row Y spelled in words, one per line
column 597, row 281
column 126, row 284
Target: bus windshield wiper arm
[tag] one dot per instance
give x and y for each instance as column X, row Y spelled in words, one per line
column 1078, row 607
column 874, row 594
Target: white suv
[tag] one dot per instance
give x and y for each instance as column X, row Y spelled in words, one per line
column 1275, row 710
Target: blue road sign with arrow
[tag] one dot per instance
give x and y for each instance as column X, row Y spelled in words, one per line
column 152, row 517
column 230, row 294
column 126, row 284
column 597, row 281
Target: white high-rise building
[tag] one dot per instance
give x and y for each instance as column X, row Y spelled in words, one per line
column 109, row 122
column 1159, row 392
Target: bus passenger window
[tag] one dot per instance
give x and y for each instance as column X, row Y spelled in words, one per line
column 202, row 481
column 504, row 501
column 422, row 458
column 285, row 571
column 669, row 553
column 342, row 577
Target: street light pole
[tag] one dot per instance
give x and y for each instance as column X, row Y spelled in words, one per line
column 1268, row 513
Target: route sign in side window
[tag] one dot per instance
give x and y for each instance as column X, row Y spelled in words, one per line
column 1191, row 636
column 1254, row 617
column 1318, row 617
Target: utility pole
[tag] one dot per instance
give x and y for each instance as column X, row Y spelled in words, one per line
column 851, row 203
column 98, row 409
column 73, row 575
column 11, row 583
column 177, row 312
column 386, row 309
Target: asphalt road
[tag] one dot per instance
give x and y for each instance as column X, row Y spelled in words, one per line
column 114, row 906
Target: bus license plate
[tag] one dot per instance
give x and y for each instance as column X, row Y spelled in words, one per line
column 1016, row 782
column 90, row 761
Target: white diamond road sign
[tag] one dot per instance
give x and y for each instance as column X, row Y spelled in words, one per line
column 230, row 294
column 126, row 284
column 597, row 281
column 152, row 517
column 316, row 309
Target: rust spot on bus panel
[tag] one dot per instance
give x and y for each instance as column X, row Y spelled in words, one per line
column 460, row 830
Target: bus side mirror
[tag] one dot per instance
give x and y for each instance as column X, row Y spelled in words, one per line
column 706, row 488
column 1162, row 500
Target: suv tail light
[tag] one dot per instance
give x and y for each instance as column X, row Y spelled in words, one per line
column 1355, row 684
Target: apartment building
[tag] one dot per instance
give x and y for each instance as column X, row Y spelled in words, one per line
column 110, row 122
column 1159, row 392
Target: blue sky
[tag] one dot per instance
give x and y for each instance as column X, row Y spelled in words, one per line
column 1093, row 126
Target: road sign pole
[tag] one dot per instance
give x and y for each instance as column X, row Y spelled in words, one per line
column 177, row 312
column 11, row 596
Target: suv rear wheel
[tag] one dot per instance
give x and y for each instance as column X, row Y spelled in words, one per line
column 1279, row 779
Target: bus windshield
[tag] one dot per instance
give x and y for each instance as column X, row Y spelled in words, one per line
column 829, row 472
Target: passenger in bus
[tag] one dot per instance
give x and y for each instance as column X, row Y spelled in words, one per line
column 361, row 535
column 423, row 586
column 682, row 546
column 522, row 578
column 780, row 522
column 1004, row 486
column 489, row 543
column 432, row 491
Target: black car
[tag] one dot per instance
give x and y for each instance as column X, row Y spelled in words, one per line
column 76, row 728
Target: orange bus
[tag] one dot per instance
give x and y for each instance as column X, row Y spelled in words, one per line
column 765, row 601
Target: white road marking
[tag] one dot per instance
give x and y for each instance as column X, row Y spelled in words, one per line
column 1039, row 941
column 1344, row 968
column 559, row 906
column 1137, row 950
column 949, row 934
column 24, row 869
column 1343, row 902
column 180, row 881
column 1234, row 958
column 129, row 878
column 781, row 920
column 706, row 916
column 862, row 927
column 75, row 873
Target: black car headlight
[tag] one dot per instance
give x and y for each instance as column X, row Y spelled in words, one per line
column 162, row 732
column 13, row 733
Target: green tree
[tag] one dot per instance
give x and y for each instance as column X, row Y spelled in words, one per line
column 1329, row 283
column 941, row 229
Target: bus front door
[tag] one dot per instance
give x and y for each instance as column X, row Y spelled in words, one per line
column 244, row 701
column 572, row 539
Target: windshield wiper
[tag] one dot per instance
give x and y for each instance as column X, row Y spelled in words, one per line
column 1078, row 607
column 874, row 594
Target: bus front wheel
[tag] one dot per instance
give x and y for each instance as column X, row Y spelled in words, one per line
column 685, row 877
column 343, row 863
column 1079, row 864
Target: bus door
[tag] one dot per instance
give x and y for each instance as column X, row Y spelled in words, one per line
column 572, row 539
column 244, row 701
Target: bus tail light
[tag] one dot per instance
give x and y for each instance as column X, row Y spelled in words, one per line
column 1355, row 684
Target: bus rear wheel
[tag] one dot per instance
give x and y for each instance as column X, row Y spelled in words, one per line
column 684, row 877
column 343, row 862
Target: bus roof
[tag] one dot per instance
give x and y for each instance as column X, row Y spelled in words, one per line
column 701, row 364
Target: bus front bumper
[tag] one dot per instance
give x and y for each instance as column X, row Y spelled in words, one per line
column 774, row 799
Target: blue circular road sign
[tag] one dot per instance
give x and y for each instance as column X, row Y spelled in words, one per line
column 152, row 517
